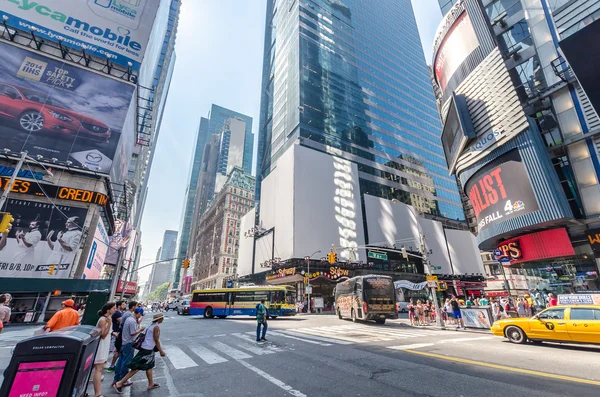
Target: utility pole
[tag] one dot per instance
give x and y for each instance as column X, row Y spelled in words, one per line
column 425, row 256
column 12, row 179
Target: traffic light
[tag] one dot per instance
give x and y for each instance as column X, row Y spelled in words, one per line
column 6, row 222
column 185, row 264
column 332, row 257
column 51, row 269
column 404, row 254
column 442, row 286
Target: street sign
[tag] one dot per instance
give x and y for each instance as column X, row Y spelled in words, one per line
column 436, row 268
column 229, row 284
column 504, row 260
column 378, row 255
column 497, row 253
column 432, row 281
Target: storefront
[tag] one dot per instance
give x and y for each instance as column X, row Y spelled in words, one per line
column 544, row 261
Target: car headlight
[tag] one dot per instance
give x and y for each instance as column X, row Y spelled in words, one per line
column 60, row 116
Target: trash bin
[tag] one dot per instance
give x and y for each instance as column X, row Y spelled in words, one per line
column 57, row 364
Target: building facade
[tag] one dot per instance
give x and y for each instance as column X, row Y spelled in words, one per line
column 446, row 5
column 331, row 83
column 217, row 237
column 162, row 272
column 520, row 134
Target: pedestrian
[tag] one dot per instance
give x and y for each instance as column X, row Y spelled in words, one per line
column 469, row 302
column 104, row 326
column 496, row 309
column 116, row 326
column 520, row 307
column 4, row 310
column 144, row 360
column 552, row 300
column 129, row 331
column 483, row 301
column 448, row 310
column 531, row 304
column 426, row 311
column 66, row 317
column 411, row 312
column 456, row 313
column 261, row 319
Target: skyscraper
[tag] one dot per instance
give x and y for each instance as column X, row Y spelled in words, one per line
column 350, row 77
column 161, row 272
column 190, row 197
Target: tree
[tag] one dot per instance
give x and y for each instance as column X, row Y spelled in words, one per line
column 159, row 293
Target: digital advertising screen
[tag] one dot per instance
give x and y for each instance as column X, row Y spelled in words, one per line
column 41, row 378
column 501, row 190
column 59, row 111
column 458, row 44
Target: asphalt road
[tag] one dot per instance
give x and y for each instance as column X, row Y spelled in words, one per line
column 324, row 356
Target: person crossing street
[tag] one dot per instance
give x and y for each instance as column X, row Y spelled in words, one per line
column 261, row 318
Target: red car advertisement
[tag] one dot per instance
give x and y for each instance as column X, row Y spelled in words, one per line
column 59, row 111
column 501, row 190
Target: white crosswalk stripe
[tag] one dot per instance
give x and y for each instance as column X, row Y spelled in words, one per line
column 207, row 355
column 314, row 342
column 178, row 358
column 230, row 351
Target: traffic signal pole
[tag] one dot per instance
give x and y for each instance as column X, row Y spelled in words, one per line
column 12, row 180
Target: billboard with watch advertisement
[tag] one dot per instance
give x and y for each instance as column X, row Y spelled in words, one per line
column 117, row 28
column 501, row 190
column 41, row 235
column 59, row 111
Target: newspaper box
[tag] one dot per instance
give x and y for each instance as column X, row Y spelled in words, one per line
column 57, row 364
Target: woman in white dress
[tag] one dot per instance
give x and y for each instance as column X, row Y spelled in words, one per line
column 104, row 325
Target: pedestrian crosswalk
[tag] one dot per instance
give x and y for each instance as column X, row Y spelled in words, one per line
column 241, row 346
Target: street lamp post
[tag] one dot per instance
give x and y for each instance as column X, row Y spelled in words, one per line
column 307, row 259
column 423, row 250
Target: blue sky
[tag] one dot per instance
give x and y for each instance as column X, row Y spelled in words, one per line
column 219, row 60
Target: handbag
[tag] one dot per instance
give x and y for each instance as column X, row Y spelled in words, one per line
column 137, row 343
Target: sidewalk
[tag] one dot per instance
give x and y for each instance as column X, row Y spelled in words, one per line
column 449, row 327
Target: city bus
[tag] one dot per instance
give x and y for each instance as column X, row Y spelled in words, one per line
column 370, row 297
column 279, row 300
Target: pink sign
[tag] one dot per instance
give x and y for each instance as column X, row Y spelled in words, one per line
column 38, row 379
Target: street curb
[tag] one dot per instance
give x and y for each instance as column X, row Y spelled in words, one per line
column 449, row 328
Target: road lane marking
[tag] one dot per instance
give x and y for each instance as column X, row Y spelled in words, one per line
column 332, row 335
column 314, row 342
column 178, row 358
column 264, row 348
column 206, row 355
column 339, row 342
column 466, row 339
column 504, row 368
column 413, row 346
column 273, row 380
column 230, row 351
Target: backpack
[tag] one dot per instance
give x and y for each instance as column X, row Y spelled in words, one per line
column 139, row 339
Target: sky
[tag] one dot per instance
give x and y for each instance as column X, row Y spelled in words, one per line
column 219, row 50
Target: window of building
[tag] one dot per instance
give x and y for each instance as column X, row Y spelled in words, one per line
column 228, row 261
column 511, row 7
column 518, row 35
column 563, row 169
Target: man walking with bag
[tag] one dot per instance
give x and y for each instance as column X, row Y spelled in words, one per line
column 261, row 318
column 129, row 331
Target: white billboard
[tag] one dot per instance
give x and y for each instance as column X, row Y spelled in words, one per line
column 120, row 28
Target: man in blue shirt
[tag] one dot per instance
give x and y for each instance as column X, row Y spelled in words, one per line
column 261, row 319
column 129, row 331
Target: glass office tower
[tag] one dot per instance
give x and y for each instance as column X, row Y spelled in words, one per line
column 446, row 5
column 349, row 76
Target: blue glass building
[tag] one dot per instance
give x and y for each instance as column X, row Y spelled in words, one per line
column 351, row 75
column 446, row 5
column 219, row 117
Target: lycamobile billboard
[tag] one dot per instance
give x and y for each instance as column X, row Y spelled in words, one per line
column 120, row 28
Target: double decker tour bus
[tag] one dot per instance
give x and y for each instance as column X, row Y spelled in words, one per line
column 370, row 297
column 279, row 300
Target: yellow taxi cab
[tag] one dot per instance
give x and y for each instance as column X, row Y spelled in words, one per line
column 565, row 323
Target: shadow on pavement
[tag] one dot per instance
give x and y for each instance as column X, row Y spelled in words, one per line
column 562, row 346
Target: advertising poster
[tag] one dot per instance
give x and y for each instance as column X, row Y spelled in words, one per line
column 501, row 190
column 41, row 235
column 120, row 28
column 97, row 255
column 593, row 236
column 40, row 378
column 459, row 43
column 59, row 111
column 119, row 240
column 476, row 317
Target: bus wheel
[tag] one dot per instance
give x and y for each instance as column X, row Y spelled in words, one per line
column 380, row 320
column 353, row 315
column 208, row 312
column 273, row 317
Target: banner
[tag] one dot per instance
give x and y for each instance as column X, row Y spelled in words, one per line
column 120, row 28
column 501, row 190
column 119, row 240
column 41, row 235
column 97, row 255
column 410, row 285
column 59, row 111
column 475, row 317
